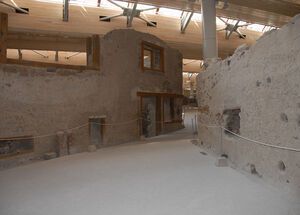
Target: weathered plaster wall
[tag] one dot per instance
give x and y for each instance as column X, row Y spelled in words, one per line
column 37, row 101
column 264, row 82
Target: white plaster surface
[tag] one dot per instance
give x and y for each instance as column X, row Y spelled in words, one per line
column 163, row 177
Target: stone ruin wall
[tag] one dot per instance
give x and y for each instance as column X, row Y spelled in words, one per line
column 256, row 93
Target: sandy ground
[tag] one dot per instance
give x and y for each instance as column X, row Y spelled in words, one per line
column 166, row 175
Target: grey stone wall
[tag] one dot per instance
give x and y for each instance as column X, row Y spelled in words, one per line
column 37, row 101
column 263, row 81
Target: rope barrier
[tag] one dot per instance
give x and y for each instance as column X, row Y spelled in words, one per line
column 69, row 129
column 44, row 135
column 250, row 140
column 159, row 122
column 134, row 120
column 76, row 128
column 112, row 124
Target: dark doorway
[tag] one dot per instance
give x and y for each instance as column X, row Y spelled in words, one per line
column 149, row 112
column 96, row 130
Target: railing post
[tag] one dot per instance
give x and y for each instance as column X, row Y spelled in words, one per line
column 221, row 140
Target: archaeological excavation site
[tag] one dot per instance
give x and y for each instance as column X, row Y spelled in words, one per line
column 149, row 107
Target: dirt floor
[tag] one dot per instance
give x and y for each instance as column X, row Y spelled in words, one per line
column 163, row 175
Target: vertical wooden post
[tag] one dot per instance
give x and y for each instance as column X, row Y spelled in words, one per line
column 20, row 54
column 3, row 36
column 93, row 52
column 141, row 116
column 158, row 115
column 56, row 56
column 162, row 113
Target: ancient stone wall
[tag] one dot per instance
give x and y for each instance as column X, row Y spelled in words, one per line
column 256, row 93
column 37, row 101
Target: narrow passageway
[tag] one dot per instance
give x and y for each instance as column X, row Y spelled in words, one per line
column 188, row 132
column 167, row 175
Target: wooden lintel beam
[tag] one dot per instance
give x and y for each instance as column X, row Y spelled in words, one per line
column 48, row 42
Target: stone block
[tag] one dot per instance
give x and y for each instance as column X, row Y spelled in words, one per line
column 50, row 155
column 221, row 162
column 92, row 148
column 62, row 143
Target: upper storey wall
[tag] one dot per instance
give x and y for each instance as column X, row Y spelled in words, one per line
column 37, row 100
column 121, row 58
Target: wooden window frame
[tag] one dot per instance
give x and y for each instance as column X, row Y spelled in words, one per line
column 153, row 46
column 47, row 65
column 90, row 45
column 161, row 96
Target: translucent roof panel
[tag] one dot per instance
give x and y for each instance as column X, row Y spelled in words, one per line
column 170, row 12
column 107, row 4
column 250, row 26
column 197, row 17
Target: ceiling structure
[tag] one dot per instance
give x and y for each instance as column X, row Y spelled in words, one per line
column 265, row 12
column 192, row 66
column 84, row 21
column 184, row 33
column 187, row 38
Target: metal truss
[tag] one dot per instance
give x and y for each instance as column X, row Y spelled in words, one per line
column 230, row 28
column 185, row 20
column 14, row 7
column 130, row 13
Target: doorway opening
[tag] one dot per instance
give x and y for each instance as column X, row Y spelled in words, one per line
column 151, row 112
column 96, row 130
column 160, row 113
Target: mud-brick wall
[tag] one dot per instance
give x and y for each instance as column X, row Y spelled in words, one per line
column 37, row 101
column 263, row 81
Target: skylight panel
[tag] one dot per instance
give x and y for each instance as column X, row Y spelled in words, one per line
column 170, row 12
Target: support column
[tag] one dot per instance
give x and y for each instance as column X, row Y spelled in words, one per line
column 3, row 36
column 210, row 49
column 98, row 3
column 66, row 11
